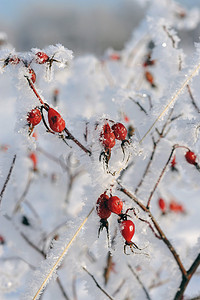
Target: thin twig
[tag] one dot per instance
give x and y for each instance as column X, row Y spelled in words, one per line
column 160, row 177
column 27, row 187
column 161, row 135
column 140, row 282
column 192, row 98
column 8, row 177
column 140, row 106
column 74, row 288
column 62, row 288
column 97, row 284
column 119, row 288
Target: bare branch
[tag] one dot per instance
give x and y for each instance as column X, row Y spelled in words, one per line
column 97, row 284
column 8, row 178
column 140, row 282
column 192, row 98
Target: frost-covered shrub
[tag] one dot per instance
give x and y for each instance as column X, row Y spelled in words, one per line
column 100, row 176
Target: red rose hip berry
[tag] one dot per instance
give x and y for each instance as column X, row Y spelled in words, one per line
column 34, row 116
column 190, row 157
column 115, row 205
column 107, row 137
column 102, row 207
column 120, row 131
column 56, row 122
column 127, row 229
column 162, row 205
column 41, row 57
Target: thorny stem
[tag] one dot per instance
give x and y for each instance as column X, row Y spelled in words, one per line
column 192, row 98
column 97, row 284
column 170, row 36
column 140, row 282
column 8, row 177
column 186, row 278
column 161, row 175
column 161, row 233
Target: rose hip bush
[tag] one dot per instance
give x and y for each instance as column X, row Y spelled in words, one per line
column 100, row 167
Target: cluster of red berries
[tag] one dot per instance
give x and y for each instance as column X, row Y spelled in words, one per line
column 108, row 135
column 173, row 206
column 40, row 58
column 105, row 206
column 56, row 122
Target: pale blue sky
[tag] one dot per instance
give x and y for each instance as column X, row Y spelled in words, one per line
column 12, row 9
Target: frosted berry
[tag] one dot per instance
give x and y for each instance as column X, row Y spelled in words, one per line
column 32, row 75
column 41, row 57
column 102, row 207
column 162, row 205
column 34, row 116
column 190, row 157
column 115, row 205
column 127, row 229
column 13, row 60
column 34, row 159
column 176, row 207
column 120, row 131
column 107, row 137
column 56, row 122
